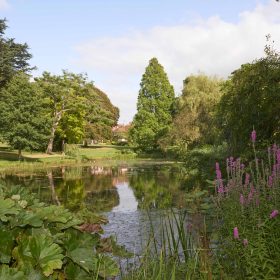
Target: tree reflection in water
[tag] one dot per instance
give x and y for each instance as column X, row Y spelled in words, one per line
column 99, row 188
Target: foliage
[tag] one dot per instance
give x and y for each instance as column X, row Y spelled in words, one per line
column 40, row 241
column 247, row 219
column 194, row 121
column 14, row 56
column 66, row 103
column 154, row 108
column 199, row 163
column 23, row 114
column 251, row 98
column 101, row 115
column 77, row 108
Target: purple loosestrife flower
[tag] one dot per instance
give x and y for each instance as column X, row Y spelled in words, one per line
column 218, row 171
column 247, row 179
column 253, row 136
column 235, row 233
column 245, row 242
column 274, row 149
column 274, row 213
column 241, row 199
column 278, row 156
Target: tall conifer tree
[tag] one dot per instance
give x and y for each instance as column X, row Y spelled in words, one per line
column 154, row 107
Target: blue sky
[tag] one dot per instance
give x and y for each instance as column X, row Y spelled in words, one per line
column 113, row 40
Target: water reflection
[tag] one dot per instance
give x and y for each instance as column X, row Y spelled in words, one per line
column 127, row 201
column 118, row 192
column 105, row 189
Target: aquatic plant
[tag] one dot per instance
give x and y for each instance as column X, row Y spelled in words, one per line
column 40, row 241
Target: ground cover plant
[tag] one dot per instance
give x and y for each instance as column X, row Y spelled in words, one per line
column 40, row 241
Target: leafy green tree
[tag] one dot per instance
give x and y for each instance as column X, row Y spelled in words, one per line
column 66, row 99
column 101, row 115
column 195, row 109
column 154, row 107
column 251, row 100
column 14, row 57
column 24, row 121
column 78, row 109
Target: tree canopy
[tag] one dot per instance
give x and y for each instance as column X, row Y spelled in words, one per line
column 14, row 57
column 251, row 100
column 24, row 121
column 195, row 108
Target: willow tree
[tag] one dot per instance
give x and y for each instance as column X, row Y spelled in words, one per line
column 194, row 121
column 154, row 107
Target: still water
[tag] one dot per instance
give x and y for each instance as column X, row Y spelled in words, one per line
column 121, row 193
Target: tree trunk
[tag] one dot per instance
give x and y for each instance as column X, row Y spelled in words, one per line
column 57, row 117
column 51, row 183
column 19, row 154
column 63, row 147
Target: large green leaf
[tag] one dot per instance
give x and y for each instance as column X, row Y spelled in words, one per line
column 7, row 207
column 84, row 257
column 74, row 239
column 27, row 218
column 39, row 251
column 7, row 273
column 79, row 248
column 75, row 272
column 106, row 266
column 6, row 246
column 54, row 214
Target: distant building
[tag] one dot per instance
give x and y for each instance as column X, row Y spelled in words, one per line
column 120, row 133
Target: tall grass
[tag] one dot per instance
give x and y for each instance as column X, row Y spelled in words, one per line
column 174, row 251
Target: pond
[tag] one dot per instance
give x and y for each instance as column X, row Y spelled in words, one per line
column 122, row 193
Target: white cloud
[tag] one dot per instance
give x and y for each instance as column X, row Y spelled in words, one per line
column 213, row 46
column 4, row 4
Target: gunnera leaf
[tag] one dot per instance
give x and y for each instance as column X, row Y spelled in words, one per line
column 6, row 246
column 107, row 267
column 39, row 250
column 75, row 272
column 7, row 273
column 7, row 207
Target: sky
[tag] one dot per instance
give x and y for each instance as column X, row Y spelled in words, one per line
column 113, row 40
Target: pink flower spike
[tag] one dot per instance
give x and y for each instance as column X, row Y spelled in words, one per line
column 242, row 201
column 245, row 242
column 247, row 179
column 253, row 136
column 274, row 213
column 235, row 233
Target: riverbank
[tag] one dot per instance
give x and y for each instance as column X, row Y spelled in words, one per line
column 98, row 155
